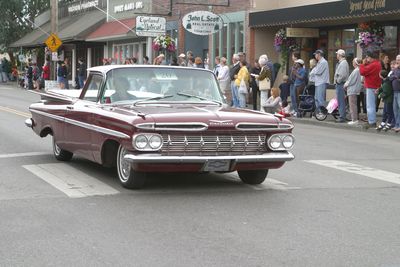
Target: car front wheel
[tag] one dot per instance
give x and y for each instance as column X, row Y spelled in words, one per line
column 253, row 176
column 127, row 176
column 61, row 154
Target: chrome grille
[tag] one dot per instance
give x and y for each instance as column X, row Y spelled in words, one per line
column 213, row 145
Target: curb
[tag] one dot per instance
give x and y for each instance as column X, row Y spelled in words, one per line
column 332, row 124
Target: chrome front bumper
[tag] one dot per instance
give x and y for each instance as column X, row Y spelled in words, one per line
column 157, row 158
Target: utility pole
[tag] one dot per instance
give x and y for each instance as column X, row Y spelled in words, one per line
column 54, row 29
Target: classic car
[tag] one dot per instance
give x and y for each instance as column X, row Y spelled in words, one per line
column 146, row 119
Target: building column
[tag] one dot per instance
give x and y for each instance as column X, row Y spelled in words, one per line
column 220, row 40
column 89, row 58
column 211, row 57
column 149, row 52
column 140, row 55
column 73, row 64
column 228, row 44
column 237, row 32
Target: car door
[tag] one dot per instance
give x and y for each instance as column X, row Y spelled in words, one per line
column 79, row 118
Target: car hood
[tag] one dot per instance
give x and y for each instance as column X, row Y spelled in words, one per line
column 211, row 115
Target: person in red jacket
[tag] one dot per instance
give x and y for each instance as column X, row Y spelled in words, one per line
column 370, row 69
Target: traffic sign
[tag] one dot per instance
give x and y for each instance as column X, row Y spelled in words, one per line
column 53, row 42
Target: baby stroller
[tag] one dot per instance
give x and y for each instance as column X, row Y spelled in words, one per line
column 333, row 109
column 306, row 103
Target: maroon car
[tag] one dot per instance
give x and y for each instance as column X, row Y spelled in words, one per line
column 146, row 119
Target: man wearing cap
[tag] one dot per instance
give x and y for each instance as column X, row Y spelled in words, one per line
column 181, row 60
column 341, row 75
column 321, row 76
column 299, row 74
column 370, row 69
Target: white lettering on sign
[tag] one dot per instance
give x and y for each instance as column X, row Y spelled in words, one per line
column 83, row 6
column 128, row 7
column 366, row 5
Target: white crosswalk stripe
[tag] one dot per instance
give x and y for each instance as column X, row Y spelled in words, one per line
column 70, row 181
column 386, row 176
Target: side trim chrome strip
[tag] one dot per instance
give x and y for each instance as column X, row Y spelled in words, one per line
column 174, row 126
column 157, row 158
column 84, row 125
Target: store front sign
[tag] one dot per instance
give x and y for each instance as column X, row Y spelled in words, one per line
column 362, row 6
column 202, row 22
column 128, row 7
column 302, row 32
column 82, row 6
column 150, row 26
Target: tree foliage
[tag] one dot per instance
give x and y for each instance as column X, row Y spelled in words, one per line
column 16, row 17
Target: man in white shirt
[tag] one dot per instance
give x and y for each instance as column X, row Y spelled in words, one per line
column 321, row 76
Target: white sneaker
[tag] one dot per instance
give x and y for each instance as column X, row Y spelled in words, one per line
column 352, row 122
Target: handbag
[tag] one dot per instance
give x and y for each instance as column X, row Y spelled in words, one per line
column 243, row 87
column 265, row 84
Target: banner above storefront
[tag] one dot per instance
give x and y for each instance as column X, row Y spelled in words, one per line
column 126, row 9
column 302, row 32
column 150, row 26
column 202, row 22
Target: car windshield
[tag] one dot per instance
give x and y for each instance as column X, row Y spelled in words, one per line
column 160, row 84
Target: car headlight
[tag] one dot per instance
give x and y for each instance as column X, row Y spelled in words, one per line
column 288, row 141
column 280, row 142
column 141, row 141
column 155, row 142
column 275, row 142
column 147, row 142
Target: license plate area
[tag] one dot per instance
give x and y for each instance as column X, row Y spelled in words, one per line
column 217, row 165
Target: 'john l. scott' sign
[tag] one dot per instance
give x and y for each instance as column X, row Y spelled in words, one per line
column 202, row 22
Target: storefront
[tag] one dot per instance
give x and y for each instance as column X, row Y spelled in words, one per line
column 75, row 21
column 328, row 26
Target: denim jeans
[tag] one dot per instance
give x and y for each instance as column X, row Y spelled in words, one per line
column 320, row 95
column 235, row 95
column 341, row 98
column 81, row 81
column 396, row 108
column 293, row 97
column 388, row 115
column 371, row 105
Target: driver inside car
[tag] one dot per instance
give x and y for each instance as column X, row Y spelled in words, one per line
column 121, row 86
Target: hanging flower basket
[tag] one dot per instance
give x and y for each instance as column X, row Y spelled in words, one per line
column 370, row 36
column 284, row 45
column 164, row 43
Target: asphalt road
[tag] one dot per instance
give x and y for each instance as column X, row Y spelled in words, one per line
column 336, row 204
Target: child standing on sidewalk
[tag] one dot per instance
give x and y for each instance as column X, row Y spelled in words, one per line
column 386, row 94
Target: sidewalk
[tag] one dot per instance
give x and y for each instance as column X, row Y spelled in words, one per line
column 330, row 122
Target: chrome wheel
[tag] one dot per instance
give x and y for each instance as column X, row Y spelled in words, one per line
column 124, row 167
column 128, row 177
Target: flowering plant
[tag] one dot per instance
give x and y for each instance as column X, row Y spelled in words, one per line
column 370, row 35
column 164, row 42
column 284, row 45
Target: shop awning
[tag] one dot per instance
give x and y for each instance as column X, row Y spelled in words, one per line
column 113, row 30
column 344, row 10
column 74, row 28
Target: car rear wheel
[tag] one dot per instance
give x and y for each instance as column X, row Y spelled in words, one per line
column 253, row 176
column 61, row 154
column 127, row 176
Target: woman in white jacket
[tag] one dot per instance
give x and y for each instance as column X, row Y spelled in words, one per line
column 353, row 87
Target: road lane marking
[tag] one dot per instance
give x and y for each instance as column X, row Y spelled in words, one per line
column 377, row 174
column 16, row 112
column 269, row 183
column 70, row 181
column 24, row 154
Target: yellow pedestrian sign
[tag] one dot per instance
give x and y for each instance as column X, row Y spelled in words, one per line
column 53, row 42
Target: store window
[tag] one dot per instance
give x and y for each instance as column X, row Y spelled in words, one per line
column 390, row 43
column 340, row 39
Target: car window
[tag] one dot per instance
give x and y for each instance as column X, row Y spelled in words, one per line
column 133, row 84
column 93, row 87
